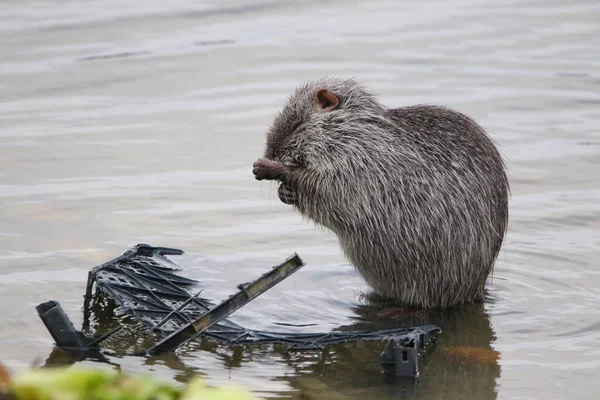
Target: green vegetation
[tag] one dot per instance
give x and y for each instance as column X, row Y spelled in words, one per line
column 102, row 384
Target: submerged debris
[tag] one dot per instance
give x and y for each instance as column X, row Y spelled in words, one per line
column 144, row 284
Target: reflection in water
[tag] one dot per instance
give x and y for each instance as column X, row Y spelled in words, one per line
column 460, row 364
column 61, row 358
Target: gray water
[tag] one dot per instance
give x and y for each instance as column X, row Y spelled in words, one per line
column 128, row 122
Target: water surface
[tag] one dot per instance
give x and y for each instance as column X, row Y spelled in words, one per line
column 128, row 122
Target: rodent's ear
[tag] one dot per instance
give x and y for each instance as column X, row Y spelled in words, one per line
column 326, row 101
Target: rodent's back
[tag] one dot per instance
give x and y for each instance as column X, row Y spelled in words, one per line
column 444, row 136
column 460, row 160
column 451, row 149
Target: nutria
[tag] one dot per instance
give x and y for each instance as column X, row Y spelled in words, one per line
column 417, row 196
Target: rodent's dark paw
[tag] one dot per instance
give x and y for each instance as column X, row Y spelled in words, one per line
column 267, row 169
column 286, row 195
column 262, row 169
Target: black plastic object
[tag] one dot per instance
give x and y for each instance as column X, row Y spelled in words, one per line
column 247, row 293
column 62, row 330
column 403, row 354
column 144, row 284
column 64, row 333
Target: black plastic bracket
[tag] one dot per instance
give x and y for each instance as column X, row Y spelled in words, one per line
column 403, row 354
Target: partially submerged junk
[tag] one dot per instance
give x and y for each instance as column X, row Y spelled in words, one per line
column 144, row 285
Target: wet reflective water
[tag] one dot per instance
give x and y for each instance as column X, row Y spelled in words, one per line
column 128, row 122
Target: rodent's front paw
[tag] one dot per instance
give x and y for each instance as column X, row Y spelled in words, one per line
column 262, row 169
column 286, row 194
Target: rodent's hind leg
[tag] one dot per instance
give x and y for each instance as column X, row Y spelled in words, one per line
column 286, row 194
